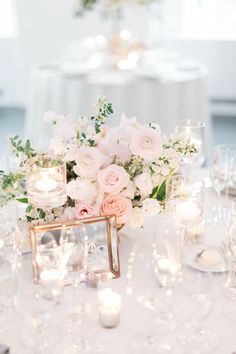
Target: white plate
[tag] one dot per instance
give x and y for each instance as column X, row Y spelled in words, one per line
column 191, row 259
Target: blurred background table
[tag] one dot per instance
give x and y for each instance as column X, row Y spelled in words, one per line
column 162, row 88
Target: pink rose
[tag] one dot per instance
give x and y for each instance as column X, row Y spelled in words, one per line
column 118, row 138
column 83, row 211
column 146, row 143
column 113, row 179
column 88, row 161
column 117, row 205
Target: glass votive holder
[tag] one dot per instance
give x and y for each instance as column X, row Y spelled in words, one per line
column 185, row 197
column 195, row 131
column 194, row 233
column 109, row 308
column 46, row 181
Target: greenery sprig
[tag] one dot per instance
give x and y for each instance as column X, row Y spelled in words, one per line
column 20, row 148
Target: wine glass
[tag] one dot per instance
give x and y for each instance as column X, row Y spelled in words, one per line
column 9, row 260
column 141, row 287
column 34, row 308
column 230, row 245
column 194, row 131
column 219, row 173
column 232, row 169
column 197, row 293
column 35, row 303
column 168, row 248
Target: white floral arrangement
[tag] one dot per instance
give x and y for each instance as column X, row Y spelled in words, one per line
column 118, row 170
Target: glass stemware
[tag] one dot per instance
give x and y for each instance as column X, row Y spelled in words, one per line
column 34, row 307
column 35, row 303
column 219, row 174
column 197, row 288
column 141, row 287
column 168, row 248
column 194, row 131
column 231, row 188
column 185, row 202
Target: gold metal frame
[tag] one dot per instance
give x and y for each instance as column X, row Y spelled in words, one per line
column 109, row 220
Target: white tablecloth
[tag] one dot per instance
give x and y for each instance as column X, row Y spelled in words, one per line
column 171, row 91
column 135, row 318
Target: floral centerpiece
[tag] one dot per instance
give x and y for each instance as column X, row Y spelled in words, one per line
column 118, row 170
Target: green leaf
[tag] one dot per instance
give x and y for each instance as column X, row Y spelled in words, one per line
column 27, row 147
column 91, row 142
column 22, row 200
column 29, row 208
column 97, row 129
column 159, row 192
column 41, row 214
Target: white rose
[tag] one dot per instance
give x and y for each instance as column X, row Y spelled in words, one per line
column 151, row 207
column 137, row 218
column 88, row 162
column 81, row 190
column 144, row 183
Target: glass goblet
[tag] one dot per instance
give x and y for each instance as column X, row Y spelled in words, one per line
column 38, row 332
column 219, row 172
column 168, row 248
column 197, row 290
column 194, row 131
column 141, row 287
column 185, row 199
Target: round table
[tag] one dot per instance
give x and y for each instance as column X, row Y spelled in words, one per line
column 162, row 90
column 135, row 318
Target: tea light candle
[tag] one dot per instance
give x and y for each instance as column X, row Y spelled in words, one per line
column 109, row 308
column 164, row 265
column 46, row 184
column 187, row 211
column 50, row 275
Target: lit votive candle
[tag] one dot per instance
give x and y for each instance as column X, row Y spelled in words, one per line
column 46, row 181
column 187, row 211
column 109, row 308
column 164, row 265
column 50, row 275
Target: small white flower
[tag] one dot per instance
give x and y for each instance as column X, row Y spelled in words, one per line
column 56, row 146
column 49, row 218
column 137, row 218
column 130, row 190
column 144, row 183
column 50, row 117
column 69, row 214
column 156, row 179
column 151, row 207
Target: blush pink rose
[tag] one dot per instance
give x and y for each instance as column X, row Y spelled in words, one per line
column 146, row 143
column 118, row 138
column 83, row 211
column 117, row 205
column 113, row 179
